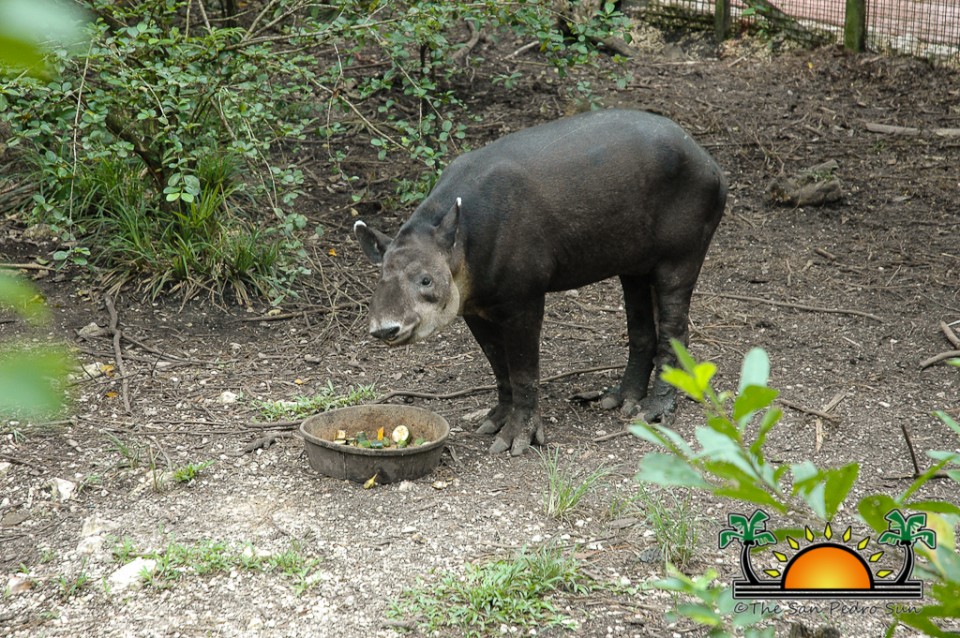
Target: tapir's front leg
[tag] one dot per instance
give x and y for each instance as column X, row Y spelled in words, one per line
column 490, row 337
column 521, row 338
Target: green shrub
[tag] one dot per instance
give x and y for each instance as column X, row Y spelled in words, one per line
column 168, row 144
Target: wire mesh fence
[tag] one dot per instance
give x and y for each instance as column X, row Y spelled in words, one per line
column 923, row 28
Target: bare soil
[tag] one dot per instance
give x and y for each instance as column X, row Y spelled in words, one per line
column 860, row 288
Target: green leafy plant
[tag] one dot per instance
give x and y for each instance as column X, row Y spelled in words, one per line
column 165, row 144
column 711, row 606
column 71, row 586
column 515, row 592
column 566, row 487
column 190, row 471
column 156, row 141
column 303, row 406
column 731, row 464
column 177, row 561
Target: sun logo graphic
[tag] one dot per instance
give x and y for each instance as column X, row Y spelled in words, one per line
column 832, row 568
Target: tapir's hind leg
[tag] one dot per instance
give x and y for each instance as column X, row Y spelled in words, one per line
column 674, row 283
column 642, row 338
column 490, row 337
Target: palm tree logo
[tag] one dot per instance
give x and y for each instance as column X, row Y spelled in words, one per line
column 750, row 533
column 905, row 533
column 827, row 568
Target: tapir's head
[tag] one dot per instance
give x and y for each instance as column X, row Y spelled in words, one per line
column 418, row 292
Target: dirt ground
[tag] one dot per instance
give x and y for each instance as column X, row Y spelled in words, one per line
column 860, row 288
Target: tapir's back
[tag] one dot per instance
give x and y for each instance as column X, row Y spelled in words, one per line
column 584, row 198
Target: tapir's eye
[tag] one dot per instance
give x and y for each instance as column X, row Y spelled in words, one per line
column 426, row 281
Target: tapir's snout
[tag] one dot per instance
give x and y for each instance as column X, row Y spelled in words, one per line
column 385, row 333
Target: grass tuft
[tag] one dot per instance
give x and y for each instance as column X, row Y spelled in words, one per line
column 515, row 592
column 566, row 487
column 303, row 406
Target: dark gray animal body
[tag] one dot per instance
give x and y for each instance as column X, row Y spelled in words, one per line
column 555, row 207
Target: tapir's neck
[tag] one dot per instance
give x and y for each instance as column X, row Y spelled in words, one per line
column 460, row 279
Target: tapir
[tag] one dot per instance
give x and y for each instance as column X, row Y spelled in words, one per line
column 549, row 208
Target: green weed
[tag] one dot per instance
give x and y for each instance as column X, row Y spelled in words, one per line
column 189, row 472
column 326, row 399
column 177, row 561
column 517, row 592
column 70, row 587
column 566, row 487
column 672, row 517
column 130, row 455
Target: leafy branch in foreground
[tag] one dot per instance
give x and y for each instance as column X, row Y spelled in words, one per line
column 731, row 464
column 32, row 377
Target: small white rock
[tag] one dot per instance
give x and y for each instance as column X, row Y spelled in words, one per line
column 18, row 584
column 63, row 488
column 95, row 526
column 476, row 415
column 90, row 330
column 90, row 545
column 130, row 576
column 228, row 397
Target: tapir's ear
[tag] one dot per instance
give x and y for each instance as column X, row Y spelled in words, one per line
column 446, row 232
column 373, row 242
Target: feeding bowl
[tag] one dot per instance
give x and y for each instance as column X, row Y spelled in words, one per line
column 360, row 464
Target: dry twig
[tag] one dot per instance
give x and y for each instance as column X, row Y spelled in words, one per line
column 787, row 304
column 950, row 334
column 800, row 408
column 943, row 356
column 117, row 353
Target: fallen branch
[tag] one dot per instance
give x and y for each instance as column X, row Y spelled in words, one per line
column 787, row 304
column 950, row 334
column 889, row 129
column 465, row 50
column 486, row 388
column 5, row 266
column 612, row 435
column 913, row 454
column 800, row 408
column 117, row 353
column 319, row 310
column 943, row 356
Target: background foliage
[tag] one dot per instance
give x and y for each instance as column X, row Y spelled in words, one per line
column 169, row 142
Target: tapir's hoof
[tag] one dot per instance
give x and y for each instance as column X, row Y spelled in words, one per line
column 659, row 409
column 495, row 420
column 489, row 427
column 611, row 399
column 614, row 398
column 610, row 402
column 517, row 437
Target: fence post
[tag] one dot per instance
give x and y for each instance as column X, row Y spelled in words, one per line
column 721, row 19
column 855, row 26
